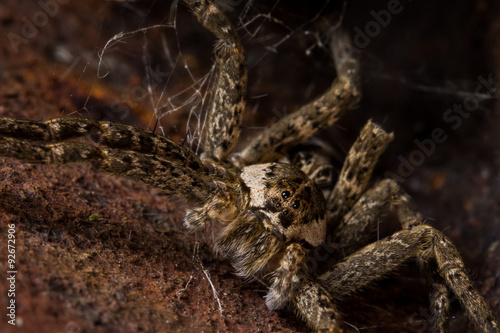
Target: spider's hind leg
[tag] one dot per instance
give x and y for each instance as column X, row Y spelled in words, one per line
column 354, row 214
column 440, row 260
column 358, row 228
column 427, row 244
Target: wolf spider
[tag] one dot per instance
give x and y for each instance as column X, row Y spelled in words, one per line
column 273, row 203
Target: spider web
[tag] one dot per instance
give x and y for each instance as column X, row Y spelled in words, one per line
column 175, row 60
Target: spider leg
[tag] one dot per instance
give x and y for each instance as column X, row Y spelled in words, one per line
column 287, row 278
column 356, row 230
column 356, row 171
column 440, row 259
column 112, row 135
column 357, row 226
column 439, row 296
column 165, row 165
column 317, row 160
column 309, row 300
column 226, row 107
column 313, row 304
column 323, row 112
column 409, row 216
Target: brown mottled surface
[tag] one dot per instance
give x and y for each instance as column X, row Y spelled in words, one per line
column 99, row 254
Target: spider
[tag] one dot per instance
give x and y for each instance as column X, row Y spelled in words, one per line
column 271, row 204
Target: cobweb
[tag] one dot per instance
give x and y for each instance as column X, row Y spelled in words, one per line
column 171, row 56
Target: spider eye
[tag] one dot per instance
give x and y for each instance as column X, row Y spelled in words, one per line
column 285, row 194
column 278, row 205
column 296, row 204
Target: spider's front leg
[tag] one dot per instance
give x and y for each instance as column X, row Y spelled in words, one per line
column 227, row 103
column 343, row 94
column 123, row 150
column 310, row 300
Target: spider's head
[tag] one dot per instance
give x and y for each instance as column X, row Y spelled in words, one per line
column 288, row 203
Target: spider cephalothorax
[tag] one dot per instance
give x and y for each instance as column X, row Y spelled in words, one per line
column 270, row 206
column 272, row 203
column 288, row 203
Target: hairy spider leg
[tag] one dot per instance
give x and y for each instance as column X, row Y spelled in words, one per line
column 439, row 258
column 273, row 142
column 291, row 285
column 225, row 111
column 314, row 305
column 356, row 171
column 128, row 151
column 109, row 134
